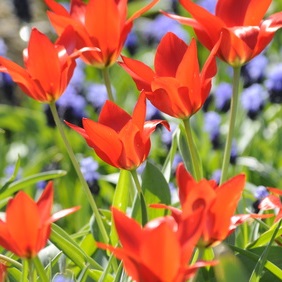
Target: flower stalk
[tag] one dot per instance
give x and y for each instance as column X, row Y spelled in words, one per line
column 232, row 121
column 84, row 184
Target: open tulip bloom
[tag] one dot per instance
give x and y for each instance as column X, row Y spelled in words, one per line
column 240, row 23
column 48, row 67
column 119, row 139
column 219, row 204
column 99, row 23
column 156, row 252
column 176, row 86
column 27, row 226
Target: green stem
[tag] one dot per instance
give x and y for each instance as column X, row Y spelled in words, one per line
column 141, row 197
column 31, row 271
column 79, row 173
column 11, row 261
column 40, row 269
column 25, row 270
column 136, row 181
column 107, row 82
column 196, row 165
column 233, row 112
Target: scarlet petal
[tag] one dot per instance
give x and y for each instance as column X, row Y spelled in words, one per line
column 170, row 46
column 129, row 232
column 164, row 261
column 23, row 223
column 113, row 116
column 236, row 13
column 39, row 65
column 45, row 202
column 104, row 140
column 140, row 73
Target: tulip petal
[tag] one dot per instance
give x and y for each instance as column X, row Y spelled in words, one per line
column 23, row 223
column 41, row 52
column 229, row 193
column 23, row 79
column 129, row 232
column 240, row 13
column 113, row 116
column 104, row 141
column 139, row 112
column 170, row 46
column 140, row 73
column 45, row 203
column 164, row 261
column 56, row 7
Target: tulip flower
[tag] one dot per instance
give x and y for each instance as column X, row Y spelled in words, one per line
column 99, row 23
column 119, row 139
column 27, row 226
column 176, row 86
column 272, row 201
column 155, row 252
column 48, row 67
column 244, row 32
column 219, row 204
column 3, row 270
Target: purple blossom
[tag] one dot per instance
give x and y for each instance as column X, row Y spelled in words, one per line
column 253, row 99
column 222, row 95
column 216, row 176
column 261, row 192
column 161, row 25
column 89, row 167
column 254, row 71
column 96, row 94
column 212, row 124
column 273, row 84
column 208, row 5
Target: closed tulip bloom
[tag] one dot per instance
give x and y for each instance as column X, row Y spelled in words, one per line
column 27, row 226
column 176, row 86
column 48, row 67
column 155, row 252
column 240, row 23
column 119, row 139
column 98, row 23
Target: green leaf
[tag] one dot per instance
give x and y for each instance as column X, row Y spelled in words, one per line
column 167, row 167
column 229, row 267
column 266, row 237
column 121, row 198
column 30, row 180
column 184, row 148
column 155, row 189
column 272, row 267
column 71, row 249
column 257, row 272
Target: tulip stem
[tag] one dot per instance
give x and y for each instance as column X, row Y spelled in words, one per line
column 11, row 261
column 40, row 269
column 79, row 173
column 107, row 82
column 233, row 113
column 195, row 160
column 140, row 196
column 25, row 270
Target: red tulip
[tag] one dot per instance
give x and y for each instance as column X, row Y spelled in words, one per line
column 99, row 23
column 119, row 139
column 155, row 253
column 240, row 23
column 27, row 226
column 176, row 86
column 272, row 201
column 219, row 204
column 48, row 67
column 3, row 270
